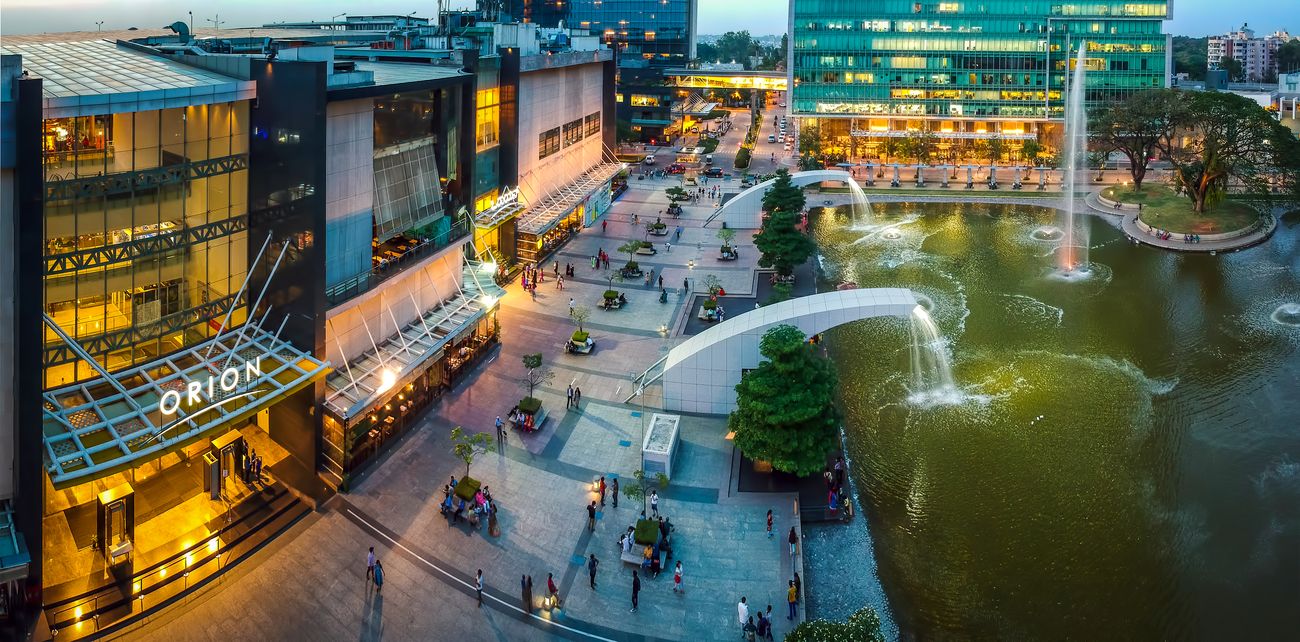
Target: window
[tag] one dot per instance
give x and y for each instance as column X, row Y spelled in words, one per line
column 548, row 142
column 487, row 124
column 572, row 132
column 591, row 124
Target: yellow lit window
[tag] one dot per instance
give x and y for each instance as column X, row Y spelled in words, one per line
column 487, row 126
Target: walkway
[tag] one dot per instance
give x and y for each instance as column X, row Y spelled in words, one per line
column 1175, row 242
column 313, row 578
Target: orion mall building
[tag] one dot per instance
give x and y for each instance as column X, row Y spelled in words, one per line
column 235, row 278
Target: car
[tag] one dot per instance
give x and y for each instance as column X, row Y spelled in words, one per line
column 781, row 138
column 713, row 172
column 676, row 168
column 649, row 160
column 787, row 146
column 748, row 181
column 771, row 138
column 708, row 159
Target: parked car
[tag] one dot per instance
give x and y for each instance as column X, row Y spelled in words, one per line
column 713, row 172
column 771, row 138
column 649, row 160
column 676, row 168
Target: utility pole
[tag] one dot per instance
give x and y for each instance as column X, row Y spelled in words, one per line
column 216, row 22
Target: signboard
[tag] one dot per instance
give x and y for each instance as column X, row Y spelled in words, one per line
column 198, row 391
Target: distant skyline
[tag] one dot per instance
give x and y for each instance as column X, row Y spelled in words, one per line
column 759, row 17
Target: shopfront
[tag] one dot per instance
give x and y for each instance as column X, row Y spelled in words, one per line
column 553, row 219
column 158, row 473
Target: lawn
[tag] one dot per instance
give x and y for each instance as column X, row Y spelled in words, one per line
column 1163, row 209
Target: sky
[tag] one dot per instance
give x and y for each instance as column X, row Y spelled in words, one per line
column 759, row 17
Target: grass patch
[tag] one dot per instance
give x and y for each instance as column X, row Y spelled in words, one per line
column 709, row 144
column 1164, row 209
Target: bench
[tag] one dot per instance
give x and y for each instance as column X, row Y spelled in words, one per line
column 539, row 419
column 635, row 557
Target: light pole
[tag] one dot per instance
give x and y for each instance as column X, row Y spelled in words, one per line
column 332, row 18
column 99, row 26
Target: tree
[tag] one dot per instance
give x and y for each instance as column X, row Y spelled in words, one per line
column 580, row 314
column 676, row 193
column 785, row 408
column 1225, row 137
column 810, row 140
column 630, row 248
column 1030, row 151
column 919, row 145
column 725, row 235
column 1232, row 66
column 996, row 147
column 534, row 377
column 888, row 147
column 734, row 46
column 1288, row 56
column 640, row 489
column 782, row 245
column 713, row 284
column 1189, row 56
column 1139, row 126
column 862, row 626
column 469, row 445
column 707, row 52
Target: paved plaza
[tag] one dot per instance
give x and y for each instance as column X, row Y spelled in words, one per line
column 313, row 577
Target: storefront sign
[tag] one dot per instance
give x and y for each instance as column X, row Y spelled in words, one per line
column 196, row 391
column 508, row 196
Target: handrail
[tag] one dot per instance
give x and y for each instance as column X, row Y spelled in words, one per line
column 641, row 380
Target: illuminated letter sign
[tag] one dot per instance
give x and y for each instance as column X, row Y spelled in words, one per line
column 198, row 391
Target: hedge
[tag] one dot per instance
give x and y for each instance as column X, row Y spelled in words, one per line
column 742, row 158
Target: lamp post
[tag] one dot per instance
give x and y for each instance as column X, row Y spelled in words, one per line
column 333, row 25
column 99, row 26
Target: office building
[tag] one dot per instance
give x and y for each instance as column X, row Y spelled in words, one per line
column 867, row 72
column 1257, row 56
column 648, row 36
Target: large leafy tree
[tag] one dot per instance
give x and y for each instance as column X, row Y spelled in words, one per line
column 1288, row 56
column 1139, row 127
column 1225, row 137
column 781, row 244
column 785, row 411
column 1232, row 66
column 735, row 46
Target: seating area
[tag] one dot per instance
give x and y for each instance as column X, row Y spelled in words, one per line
column 649, row 545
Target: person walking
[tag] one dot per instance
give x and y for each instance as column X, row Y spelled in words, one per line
column 768, row 618
column 769, row 523
column 742, row 614
column 591, row 517
column 654, row 503
column 668, row 247
column 749, row 630
column 559, row 282
column 370, row 564
column 523, row 594
column 604, row 224
column 636, row 588
column 661, row 281
column 615, row 489
column 763, row 625
column 572, row 305
column 577, row 396
column 478, row 587
column 791, row 596
column 677, row 578
column 501, row 429
column 601, row 488
column 568, row 397
column 794, row 542
column 798, row 586
column 592, row 563
column 379, row 576
column 552, row 589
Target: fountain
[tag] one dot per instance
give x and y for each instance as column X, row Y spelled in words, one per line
column 861, row 207
column 1074, row 247
column 1287, row 314
column 932, row 381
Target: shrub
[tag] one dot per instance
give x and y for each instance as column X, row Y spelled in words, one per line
column 710, row 304
column 648, row 243
column 611, row 294
column 580, row 337
column 530, row 405
column 632, row 266
column 647, row 532
column 466, row 487
column 709, row 145
column 742, row 158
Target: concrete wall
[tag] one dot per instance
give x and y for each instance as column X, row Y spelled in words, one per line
column 548, row 99
column 702, row 372
column 350, row 328
column 349, row 187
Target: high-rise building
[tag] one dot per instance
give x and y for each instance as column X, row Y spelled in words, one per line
column 1258, row 56
column 647, row 36
column 966, row 71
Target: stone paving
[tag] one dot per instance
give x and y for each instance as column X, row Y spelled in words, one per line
column 312, row 579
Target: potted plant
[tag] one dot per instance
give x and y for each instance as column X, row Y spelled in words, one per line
column 631, row 269
column 726, row 235
column 534, row 377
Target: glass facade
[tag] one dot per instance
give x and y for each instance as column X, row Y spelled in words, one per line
column 962, row 69
column 659, row 32
column 145, row 232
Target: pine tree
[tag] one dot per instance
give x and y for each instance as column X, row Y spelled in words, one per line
column 781, row 244
column 785, row 412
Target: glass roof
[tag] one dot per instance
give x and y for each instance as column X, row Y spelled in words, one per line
column 547, row 211
column 98, row 427
column 367, row 379
column 99, row 67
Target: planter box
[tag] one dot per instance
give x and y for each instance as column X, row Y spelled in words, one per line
column 660, row 445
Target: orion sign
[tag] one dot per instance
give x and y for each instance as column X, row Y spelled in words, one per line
column 195, row 392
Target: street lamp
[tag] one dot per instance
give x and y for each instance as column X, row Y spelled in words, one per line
column 99, row 26
column 334, row 17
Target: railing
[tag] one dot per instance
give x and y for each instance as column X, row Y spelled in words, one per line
column 363, row 281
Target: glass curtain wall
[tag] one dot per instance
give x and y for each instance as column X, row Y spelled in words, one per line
column 145, row 231
column 657, row 31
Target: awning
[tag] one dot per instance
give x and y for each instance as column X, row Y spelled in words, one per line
column 372, row 377
column 99, row 427
column 547, row 212
column 506, row 206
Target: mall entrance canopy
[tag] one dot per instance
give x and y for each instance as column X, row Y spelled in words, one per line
column 102, row 426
